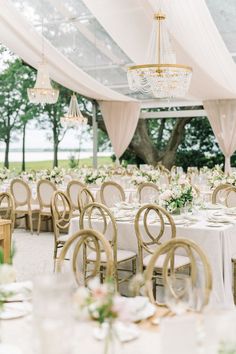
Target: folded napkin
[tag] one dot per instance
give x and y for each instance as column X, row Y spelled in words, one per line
column 18, row 291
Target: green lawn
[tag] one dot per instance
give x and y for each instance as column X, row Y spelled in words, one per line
column 38, row 165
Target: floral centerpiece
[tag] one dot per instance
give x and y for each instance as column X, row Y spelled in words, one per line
column 28, row 176
column 55, row 175
column 216, row 176
column 102, row 304
column 4, row 174
column 177, row 196
column 140, row 177
column 90, row 176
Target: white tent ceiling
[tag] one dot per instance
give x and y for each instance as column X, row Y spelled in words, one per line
column 91, row 42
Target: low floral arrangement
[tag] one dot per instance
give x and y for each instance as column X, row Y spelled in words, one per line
column 178, row 196
column 55, row 175
column 90, row 176
column 100, row 302
column 140, row 177
column 28, row 176
column 4, row 174
column 216, row 176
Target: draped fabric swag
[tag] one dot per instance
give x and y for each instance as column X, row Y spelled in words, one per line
column 121, row 119
column 222, row 117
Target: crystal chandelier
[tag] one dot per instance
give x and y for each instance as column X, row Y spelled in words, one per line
column 160, row 80
column 43, row 91
column 74, row 117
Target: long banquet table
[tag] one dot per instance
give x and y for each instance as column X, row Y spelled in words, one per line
column 219, row 243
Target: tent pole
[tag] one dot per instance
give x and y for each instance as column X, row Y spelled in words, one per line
column 95, row 136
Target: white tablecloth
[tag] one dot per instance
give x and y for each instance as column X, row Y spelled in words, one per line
column 218, row 243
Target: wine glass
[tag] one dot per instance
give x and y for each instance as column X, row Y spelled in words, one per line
column 178, row 293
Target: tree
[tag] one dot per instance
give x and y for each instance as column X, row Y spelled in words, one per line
column 14, row 103
column 50, row 120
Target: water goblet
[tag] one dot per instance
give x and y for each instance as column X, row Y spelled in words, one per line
column 178, row 293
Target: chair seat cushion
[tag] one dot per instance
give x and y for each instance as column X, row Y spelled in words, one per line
column 25, row 208
column 180, row 261
column 122, row 256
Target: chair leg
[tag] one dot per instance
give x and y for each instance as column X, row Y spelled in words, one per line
column 54, row 258
column 26, row 222
column 31, row 223
column 134, row 265
column 39, row 223
column 234, row 280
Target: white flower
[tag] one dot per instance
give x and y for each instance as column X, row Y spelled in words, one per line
column 166, row 195
column 7, row 274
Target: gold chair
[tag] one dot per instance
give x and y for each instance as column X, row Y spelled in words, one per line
column 111, row 193
column 85, row 197
column 73, row 189
column 219, row 191
column 45, row 190
column 22, row 198
column 61, row 209
column 149, row 238
column 230, row 200
column 148, row 191
column 106, row 219
column 166, row 252
column 7, row 208
column 82, row 241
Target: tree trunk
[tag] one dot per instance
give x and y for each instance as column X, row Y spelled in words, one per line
column 168, row 156
column 55, row 154
column 6, row 160
column 142, row 145
column 23, row 148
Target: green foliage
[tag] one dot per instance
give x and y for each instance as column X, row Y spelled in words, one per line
column 73, row 162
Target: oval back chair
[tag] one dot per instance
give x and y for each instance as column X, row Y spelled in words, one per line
column 61, row 209
column 80, row 242
column 98, row 216
column 220, row 193
column 85, row 197
column 111, row 193
column 21, row 193
column 195, row 255
column 148, row 192
column 45, row 190
column 73, row 189
column 7, row 208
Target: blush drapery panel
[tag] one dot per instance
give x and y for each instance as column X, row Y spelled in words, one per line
column 121, row 119
column 222, row 117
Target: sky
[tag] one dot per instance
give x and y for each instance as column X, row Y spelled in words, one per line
column 37, row 139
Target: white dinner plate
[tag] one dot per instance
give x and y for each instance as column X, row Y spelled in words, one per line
column 15, row 310
column 18, row 291
column 124, row 331
column 214, row 224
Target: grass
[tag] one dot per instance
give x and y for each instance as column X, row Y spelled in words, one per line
column 38, row 165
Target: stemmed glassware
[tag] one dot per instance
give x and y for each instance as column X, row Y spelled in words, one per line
column 178, row 293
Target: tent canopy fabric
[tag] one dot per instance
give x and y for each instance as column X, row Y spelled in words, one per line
column 89, row 44
column 110, row 35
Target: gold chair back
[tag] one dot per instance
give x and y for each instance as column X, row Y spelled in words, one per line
column 72, row 190
column 21, row 192
column 61, row 212
column 222, row 189
column 196, row 256
column 148, row 239
column 230, row 200
column 111, row 193
column 94, row 211
column 45, row 190
column 7, row 207
column 79, row 241
column 151, row 189
column 85, row 197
